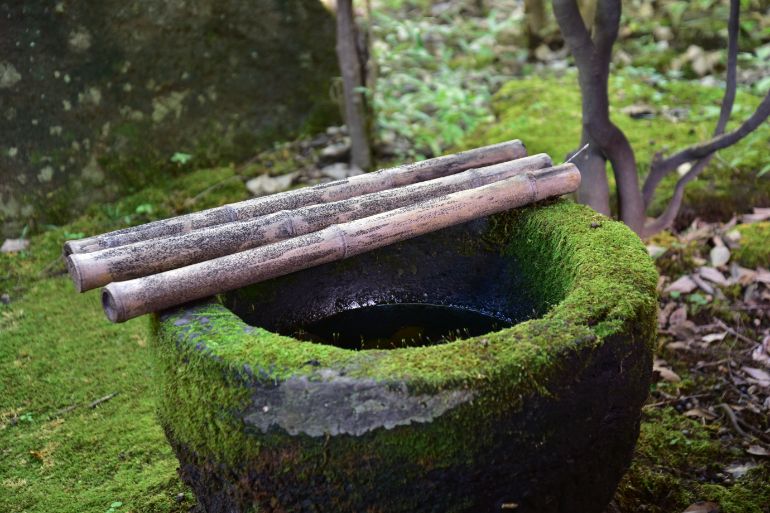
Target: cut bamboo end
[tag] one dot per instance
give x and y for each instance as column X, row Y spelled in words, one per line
column 87, row 272
column 128, row 299
column 328, row 192
column 111, row 306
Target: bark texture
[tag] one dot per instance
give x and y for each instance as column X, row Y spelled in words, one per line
column 353, row 74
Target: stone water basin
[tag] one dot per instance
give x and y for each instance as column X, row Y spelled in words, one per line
column 499, row 365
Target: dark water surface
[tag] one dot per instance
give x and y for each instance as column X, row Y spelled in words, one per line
column 398, row 325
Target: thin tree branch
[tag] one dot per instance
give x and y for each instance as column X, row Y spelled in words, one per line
column 574, row 30
column 707, row 148
column 733, row 27
column 672, row 208
column 660, row 168
column 606, row 27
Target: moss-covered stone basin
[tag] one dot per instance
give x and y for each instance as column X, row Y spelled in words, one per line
column 538, row 417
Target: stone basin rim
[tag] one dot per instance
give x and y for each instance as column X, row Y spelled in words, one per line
column 565, row 324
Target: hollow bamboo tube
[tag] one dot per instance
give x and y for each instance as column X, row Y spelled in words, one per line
column 91, row 270
column 127, row 299
column 323, row 193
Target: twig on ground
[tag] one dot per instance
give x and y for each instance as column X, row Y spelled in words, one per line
column 101, row 400
column 734, row 333
column 733, row 419
column 64, row 411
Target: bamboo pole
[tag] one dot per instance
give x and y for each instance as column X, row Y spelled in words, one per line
column 323, row 193
column 91, row 270
column 128, row 299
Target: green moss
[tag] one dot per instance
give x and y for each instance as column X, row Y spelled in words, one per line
column 676, row 463
column 56, row 352
column 582, row 258
column 530, row 108
column 754, row 249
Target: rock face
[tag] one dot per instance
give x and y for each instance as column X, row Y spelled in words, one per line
column 98, row 95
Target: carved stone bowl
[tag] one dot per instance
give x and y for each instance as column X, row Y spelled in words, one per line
column 539, row 417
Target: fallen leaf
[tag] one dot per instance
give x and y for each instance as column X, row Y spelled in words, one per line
column 762, row 276
column 678, row 316
column 742, row 275
column 665, row 312
column 664, row 372
column 714, row 337
column 760, row 214
column 761, row 353
column 758, row 450
column 713, row 275
column 699, row 413
column 703, row 507
column 738, row 470
column 685, row 285
column 705, row 287
column 733, row 236
column 684, row 331
column 655, row 251
column 265, row 184
column 638, row 111
column 719, row 256
column 761, row 377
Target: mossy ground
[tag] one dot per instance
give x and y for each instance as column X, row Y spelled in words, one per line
column 57, row 350
column 544, row 112
column 754, row 250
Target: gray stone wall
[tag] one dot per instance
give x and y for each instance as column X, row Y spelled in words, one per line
column 95, row 96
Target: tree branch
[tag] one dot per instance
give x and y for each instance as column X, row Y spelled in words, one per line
column 618, row 151
column 594, row 189
column 574, row 30
column 705, row 149
column 607, row 25
column 352, row 80
column 660, row 168
column 672, row 209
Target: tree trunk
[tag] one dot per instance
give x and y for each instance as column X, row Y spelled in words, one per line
column 352, row 82
column 594, row 189
column 536, row 22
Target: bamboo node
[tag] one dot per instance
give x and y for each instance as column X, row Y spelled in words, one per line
column 344, row 238
column 532, row 180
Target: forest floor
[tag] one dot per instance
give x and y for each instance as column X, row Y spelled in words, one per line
column 77, row 423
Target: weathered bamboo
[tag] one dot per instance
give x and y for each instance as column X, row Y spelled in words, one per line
column 323, row 193
column 91, row 270
column 127, row 299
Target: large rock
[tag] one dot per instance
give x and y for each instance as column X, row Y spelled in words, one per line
column 95, row 96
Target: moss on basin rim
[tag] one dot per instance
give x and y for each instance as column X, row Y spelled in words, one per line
column 543, row 415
